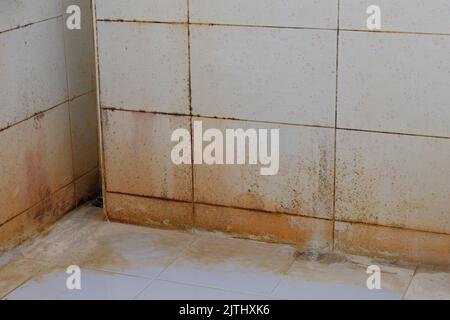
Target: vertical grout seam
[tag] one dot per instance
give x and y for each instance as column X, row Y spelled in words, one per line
column 190, row 112
column 335, row 126
column 68, row 108
column 99, row 113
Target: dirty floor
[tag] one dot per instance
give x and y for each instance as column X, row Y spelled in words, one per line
column 120, row 261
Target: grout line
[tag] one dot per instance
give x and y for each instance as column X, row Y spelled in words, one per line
column 43, row 111
column 77, row 179
column 409, row 283
column 39, row 202
column 88, row 172
column 190, row 113
column 30, row 24
column 277, row 212
column 278, row 123
column 392, row 227
column 212, row 287
column 397, row 32
column 101, row 148
column 145, row 288
column 72, row 157
column 33, row 116
column 216, row 117
column 147, row 196
column 213, row 24
column 166, row 267
column 283, row 275
column 395, row 133
column 335, row 129
column 17, row 287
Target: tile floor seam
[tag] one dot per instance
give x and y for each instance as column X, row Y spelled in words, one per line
column 283, row 275
column 17, row 287
column 214, row 288
column 409, row 283
column 145, row 288
column 209, row 286
column 38, row 271
column 164, row 269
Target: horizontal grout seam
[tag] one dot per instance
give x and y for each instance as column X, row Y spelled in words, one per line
column 212, row 24
column 273, row 212
column 44, row 111
column 275, row 123
column 30, row 24
column 39, row 202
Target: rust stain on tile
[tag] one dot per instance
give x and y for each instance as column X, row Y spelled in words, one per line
column 151, row 212
column 270, row 227
column 393, row 243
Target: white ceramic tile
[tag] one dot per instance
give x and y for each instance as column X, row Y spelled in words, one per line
column 32, row 71
column 396, row 83
column 340, row 279
column 138, row 161
column 231, row 264
column 280, row 13
column 36, row 161
column 165, row 290
column 429, row 284
column 83, row 118
column 266, row 74
column 14, row 13
column 303, row 184
column 143, row 10
column 393, row 180
column 79, row 46
column 95, row 285
column 144, row 66
column 134, row 250
column 399, row 15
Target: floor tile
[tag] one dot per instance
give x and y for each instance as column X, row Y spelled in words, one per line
column 94, row 285
column 64, row 244
column 336, row 277
column 429, row 284
column 135, row 250
column 232, row 264
column 161, row 290
column 15, row 273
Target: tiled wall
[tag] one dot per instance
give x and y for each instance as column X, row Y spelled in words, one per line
column 48, row 116
column 364, row 119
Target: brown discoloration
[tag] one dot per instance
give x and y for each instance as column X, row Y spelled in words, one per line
column 36, row 176
column 138, row 160
column 37, row 218
column 87, row 186
column 306, row 233
column 249, row 255
column 302, row 186
column 16, row 273
column 393, row 243
column 149, row 211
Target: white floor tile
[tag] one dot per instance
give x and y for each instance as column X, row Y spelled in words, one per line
column 94, row 285
column 161, row 290
column 340, row 279
column 232, row 264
